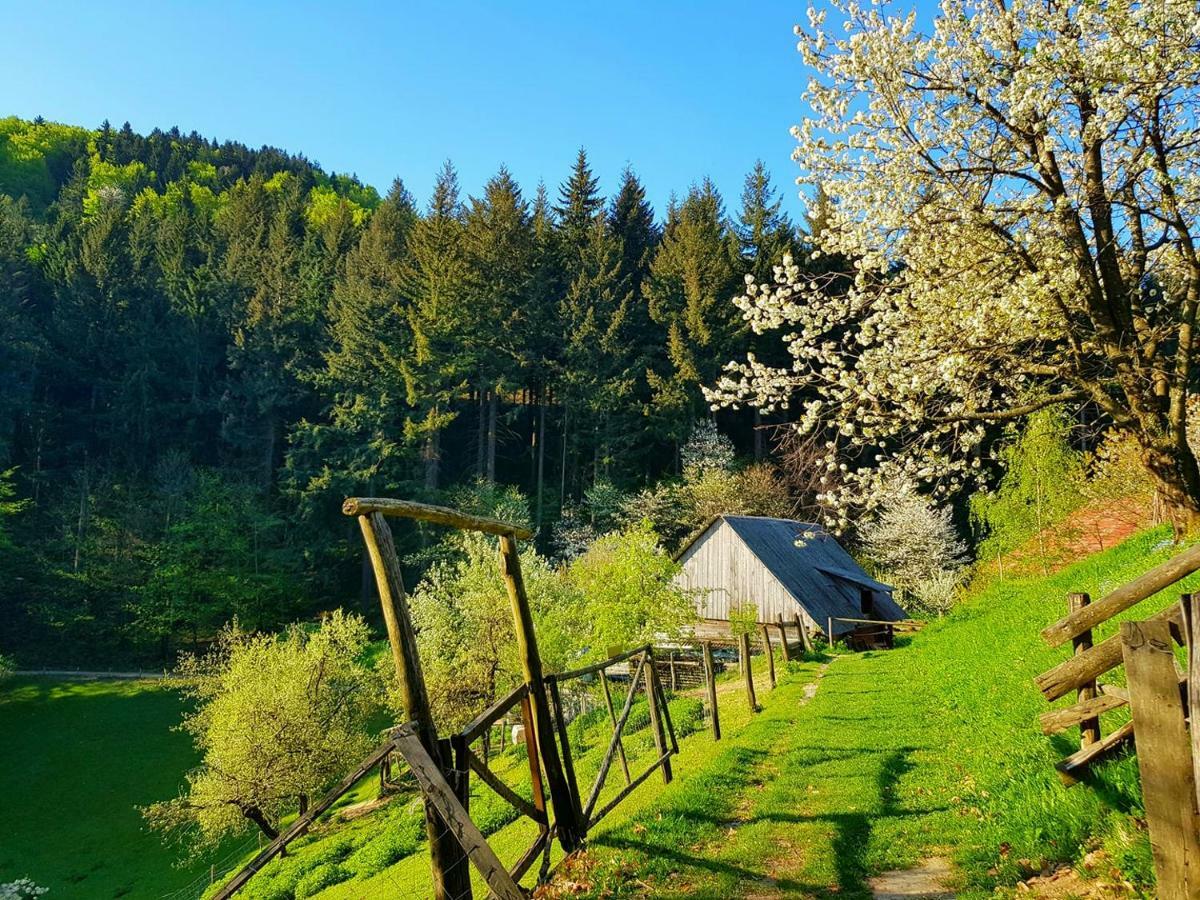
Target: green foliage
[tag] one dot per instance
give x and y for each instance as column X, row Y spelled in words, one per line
column 626, row 593
column 276, row 718
column 1041, row 485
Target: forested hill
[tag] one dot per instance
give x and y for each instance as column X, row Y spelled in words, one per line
column 204, row 347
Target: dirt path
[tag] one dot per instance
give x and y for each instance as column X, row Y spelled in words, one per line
column 925, row 882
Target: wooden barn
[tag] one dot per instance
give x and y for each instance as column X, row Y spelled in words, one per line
column 782, row 567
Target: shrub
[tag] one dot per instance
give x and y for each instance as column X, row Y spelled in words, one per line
column 319, row 878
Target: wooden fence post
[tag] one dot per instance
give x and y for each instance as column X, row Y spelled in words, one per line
column 451, row 873
column 612, row 715
column 674, row 677
column 1164, row 757
column 1089, row 729
column 710, row 678
column 570, row 829
column 656, row 716
column 744, row 648
column 787, row 652
column 766, row 636
column 805, row 639
column 829, row 633
column 1191, row 635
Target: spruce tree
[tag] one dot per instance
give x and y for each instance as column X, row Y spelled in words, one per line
column 764, row 232
column 692, row 281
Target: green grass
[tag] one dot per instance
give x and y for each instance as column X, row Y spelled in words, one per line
column 76, row 758
column 932, row 748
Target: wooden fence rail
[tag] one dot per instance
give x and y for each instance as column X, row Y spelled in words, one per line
column 1159, row 698
column 442, row 766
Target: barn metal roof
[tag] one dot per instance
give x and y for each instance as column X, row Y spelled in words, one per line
column 811, row 565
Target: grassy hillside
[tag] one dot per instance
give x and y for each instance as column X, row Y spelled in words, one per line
column 931, row 749
column 76, row 758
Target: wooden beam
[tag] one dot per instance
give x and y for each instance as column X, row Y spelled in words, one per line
column 1057, row 720
column 710, row 680
column 606, row 664
column 766, row 636
column 570, row 829
column 488, row 717
column 437, row 791
column 614, row 742
column 612, row 716
column 427, row 512
column 1077, row 671
column 489, row 778
column 662, row 760
column 298, row 827
column 1164, row 753
column 1189, row 609
column 805, row 640
column 1089, row 729
column 653, row 697
column 1071, row 769
column 1161, row 576
column 744, row 647
column 451, row 881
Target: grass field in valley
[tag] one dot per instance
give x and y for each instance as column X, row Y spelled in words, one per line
column 76, row 759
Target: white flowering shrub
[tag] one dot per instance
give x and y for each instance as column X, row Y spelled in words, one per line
column 915, row 548
column 21, row 889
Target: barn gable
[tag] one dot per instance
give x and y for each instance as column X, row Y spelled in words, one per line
column 779, row 565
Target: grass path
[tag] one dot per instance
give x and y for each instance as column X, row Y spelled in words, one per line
column 928, row 750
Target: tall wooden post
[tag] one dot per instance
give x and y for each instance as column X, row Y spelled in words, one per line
column 656, row 715
column 766, row 636
column 805, row 640
column 451, row 870
column 829, row 633
column 710, row 679
column 1089, row 729
column 1164, row 757
column 570, row 829
column 1190, row 606
column 674, row 676
column 744, row 648
column 783, row 641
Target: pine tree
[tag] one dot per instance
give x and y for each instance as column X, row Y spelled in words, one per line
column 436, row 281
column 764, row 232
column 692, row 282
column 500, row 249
column 579, row 203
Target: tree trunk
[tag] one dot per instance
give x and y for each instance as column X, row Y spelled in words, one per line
column 493, row 405
column 760, row 442
column 541, row 462
column 481, row 434
column 1178, row 481
column 255, row 815
column 431, row 453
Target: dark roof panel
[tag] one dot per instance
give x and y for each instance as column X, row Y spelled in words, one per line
column 814, row 568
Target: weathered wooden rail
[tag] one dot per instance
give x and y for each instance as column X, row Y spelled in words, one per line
column 1158, row 696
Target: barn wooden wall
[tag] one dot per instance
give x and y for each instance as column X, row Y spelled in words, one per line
column 722, row 572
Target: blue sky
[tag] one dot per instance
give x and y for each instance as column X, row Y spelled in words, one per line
column 678, row 90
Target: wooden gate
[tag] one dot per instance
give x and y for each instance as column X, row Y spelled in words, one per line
column 442, row 766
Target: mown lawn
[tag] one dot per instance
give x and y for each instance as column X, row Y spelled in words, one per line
column 76, row 759
column 930, row 749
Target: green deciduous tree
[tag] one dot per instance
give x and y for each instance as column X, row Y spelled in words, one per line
column 278, row 718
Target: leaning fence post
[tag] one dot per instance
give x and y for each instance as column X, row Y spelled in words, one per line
column 805, row 640
column 1164, row 754
column 766, row 636
column 1089, row 729
column 783, row 641
column 570, row 829
column 451, row 873
column 710, row 678
column 744, row 650
column 656, row 716
column 612, row 715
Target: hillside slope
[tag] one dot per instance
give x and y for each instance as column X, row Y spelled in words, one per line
column 931, row 749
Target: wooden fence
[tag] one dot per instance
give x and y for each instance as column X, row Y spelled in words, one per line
column 1158, row 696
column 443, row 765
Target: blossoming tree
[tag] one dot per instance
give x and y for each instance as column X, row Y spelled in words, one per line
column 1015, row 190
